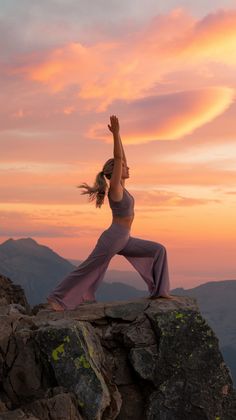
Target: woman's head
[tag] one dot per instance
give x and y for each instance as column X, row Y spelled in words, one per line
column 98, row 190
column 108, row 168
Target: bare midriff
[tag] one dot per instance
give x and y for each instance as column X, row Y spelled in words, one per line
column 124, row 221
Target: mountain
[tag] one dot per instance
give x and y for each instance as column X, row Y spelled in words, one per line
column 119, row 291
column 35, row 267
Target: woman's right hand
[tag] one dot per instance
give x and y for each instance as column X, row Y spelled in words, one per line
column 114, row 127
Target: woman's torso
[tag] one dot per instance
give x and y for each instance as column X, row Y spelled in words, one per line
column 125, row 221
column 122, row 210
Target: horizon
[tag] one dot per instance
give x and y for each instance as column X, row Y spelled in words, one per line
column 168, row 71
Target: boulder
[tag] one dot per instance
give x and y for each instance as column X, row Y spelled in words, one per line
column 11, row 293
column 139, row 359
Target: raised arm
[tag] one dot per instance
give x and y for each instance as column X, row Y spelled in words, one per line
column 115, row 181
column 123, row 152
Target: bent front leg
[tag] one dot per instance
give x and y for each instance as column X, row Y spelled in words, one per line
column 150, row 260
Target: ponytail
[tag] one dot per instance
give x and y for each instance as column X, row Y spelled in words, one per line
column 97, row 191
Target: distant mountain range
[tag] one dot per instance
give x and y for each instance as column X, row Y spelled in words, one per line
column 38, row 270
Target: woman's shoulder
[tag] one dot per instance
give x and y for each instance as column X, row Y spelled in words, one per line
column 116, row 194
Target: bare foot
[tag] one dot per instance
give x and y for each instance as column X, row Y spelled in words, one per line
column 55, row 306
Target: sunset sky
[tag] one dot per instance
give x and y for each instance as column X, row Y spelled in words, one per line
column 168, row 71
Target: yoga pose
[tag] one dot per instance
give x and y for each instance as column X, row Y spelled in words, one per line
column 148, row 258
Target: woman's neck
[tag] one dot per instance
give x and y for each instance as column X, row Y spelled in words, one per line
column 122, row 183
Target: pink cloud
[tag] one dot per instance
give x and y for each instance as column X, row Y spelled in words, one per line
column 169, row 117
column 139, row 62
column 58, row 90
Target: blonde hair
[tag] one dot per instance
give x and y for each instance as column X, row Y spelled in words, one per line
column 100, row 186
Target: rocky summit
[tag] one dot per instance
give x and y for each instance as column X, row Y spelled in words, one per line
column 140, row 359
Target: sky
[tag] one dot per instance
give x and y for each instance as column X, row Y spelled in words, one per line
column 168, row 71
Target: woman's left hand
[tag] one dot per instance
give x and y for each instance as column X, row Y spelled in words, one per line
column 114, row 127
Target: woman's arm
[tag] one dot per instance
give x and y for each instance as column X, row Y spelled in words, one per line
column 123, row 152
column 115, row 181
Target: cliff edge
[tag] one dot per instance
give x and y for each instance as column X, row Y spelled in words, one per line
column 138, row 359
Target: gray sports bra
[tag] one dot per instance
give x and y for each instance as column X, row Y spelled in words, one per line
column 124, row 207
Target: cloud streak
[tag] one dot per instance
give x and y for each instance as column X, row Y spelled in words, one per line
column 172, row 116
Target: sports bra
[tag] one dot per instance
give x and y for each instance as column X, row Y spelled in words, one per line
column 124, row 207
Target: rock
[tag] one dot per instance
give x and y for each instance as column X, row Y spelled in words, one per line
column 59, row 407
column 25, row 377
column 188, row 368
column 134, row 403
column 11, row 293
column 3, row 406
column 5, row 333
column 143, row 359
column 127, row 311
column 17, row 308
column 139, row 333
column 122, row 372
column 17, row 415
column 76, row 355
column 140, row 359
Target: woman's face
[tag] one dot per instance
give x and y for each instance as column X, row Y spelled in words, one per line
column 125, row 170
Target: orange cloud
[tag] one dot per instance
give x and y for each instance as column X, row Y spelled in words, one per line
column 212, row 38
column 89, row 68
column 178, row 35
column 131, row 67
column 169, row 117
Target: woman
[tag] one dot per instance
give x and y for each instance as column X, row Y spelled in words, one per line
column 148, row 258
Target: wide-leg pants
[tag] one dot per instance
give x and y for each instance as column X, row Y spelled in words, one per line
column 147, row 257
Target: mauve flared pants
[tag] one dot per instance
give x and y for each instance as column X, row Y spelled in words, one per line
column 147, row 257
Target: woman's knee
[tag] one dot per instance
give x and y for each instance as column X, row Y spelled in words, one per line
column 161, row 248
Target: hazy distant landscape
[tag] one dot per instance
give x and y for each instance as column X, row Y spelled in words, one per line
column 35, row 267
column 38, row 269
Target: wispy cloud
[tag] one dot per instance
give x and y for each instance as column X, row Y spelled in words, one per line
column 100, row 70
column 170, row 117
